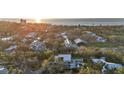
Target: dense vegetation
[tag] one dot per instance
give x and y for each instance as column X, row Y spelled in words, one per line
column 25, row 60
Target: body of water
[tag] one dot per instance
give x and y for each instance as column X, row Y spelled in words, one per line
column 86, row 21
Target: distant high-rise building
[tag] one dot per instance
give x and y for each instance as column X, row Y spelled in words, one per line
column 23, row 21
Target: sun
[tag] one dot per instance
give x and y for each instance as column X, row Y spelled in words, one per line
column 38, row 20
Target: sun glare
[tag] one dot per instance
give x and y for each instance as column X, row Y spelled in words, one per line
column 37, row 20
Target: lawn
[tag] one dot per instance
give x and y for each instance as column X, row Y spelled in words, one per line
column 101, row 45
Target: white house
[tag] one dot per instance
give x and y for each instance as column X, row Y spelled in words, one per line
column 37, row 45
column 3, row 70
column 67, row 42
column 112, row 65
column 72, row 63
column 98, row 60
column 38, row 38
column 11, row 48
column 24, row 40
column 31, row 35
column 90, row 33
column 46, row 30
column 107, row 65
column 64, row 35
column 100, row 39
column 79, row 41
column 64, row 57
column 7, row 38
column 76, row 63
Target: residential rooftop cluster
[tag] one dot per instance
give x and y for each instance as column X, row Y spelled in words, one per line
column 49, row 49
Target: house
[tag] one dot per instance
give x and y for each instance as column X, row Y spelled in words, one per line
column 100, row 39
column 7, row 38
column 46, row 30
column 107, row 65
column 90, row 33
column 112, row 65
column 72, row 63
column 63, row 57
column 37, row 46
column 13, row 47
column 98, row 60
column 67, row 42
column 3, row 70
column 22, row 21
column 38, row 38
column 76, row 63
column 31, row 35
column 24, row 40
column 64, row 35
column 80, row 42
